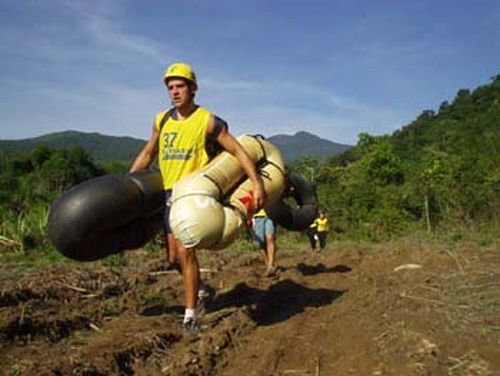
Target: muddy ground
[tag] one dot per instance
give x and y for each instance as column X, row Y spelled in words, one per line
column 406, row 308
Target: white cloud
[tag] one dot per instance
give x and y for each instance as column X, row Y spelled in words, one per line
column 101, row 20
column 333, row 125
column 76, row 72
column 224, row 85
column 271, row 107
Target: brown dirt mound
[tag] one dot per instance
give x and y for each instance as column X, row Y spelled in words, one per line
column 409, row 308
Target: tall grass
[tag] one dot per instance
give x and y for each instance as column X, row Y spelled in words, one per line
column 25, row 237
column 26, row 228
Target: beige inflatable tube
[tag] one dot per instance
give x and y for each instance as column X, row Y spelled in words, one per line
column 210, row 207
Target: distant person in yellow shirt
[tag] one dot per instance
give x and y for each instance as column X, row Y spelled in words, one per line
column 264, row 234
column 312, row 236
column 318, row 231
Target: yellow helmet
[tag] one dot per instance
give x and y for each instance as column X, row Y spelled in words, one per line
column 180, row 70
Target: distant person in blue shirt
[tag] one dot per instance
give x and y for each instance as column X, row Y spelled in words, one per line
column 264, row 234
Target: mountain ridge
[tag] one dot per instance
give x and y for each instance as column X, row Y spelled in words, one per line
column 124, row 148
column 306, row 144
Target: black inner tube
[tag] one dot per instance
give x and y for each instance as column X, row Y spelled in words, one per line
column 297, row 218
column 106, row 215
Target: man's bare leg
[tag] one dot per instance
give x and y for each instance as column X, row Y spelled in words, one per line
column 263, row 253
column 190, row 274
column 171, row 249
column 270, row 256
column 270, row 250
column 190, row 278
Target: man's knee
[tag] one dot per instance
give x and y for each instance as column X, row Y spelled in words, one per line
column 270, row 239
column 186, row 255
column 171, row 249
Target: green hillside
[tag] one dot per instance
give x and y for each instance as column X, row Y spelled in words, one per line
column 442, row 171
column 111, row 148
column 100, row 147
column 306, row 144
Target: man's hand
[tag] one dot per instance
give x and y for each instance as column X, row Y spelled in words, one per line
column 259, row 194
column 231, row 145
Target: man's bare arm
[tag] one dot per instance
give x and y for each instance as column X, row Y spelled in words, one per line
column 147, row 154
column 231, row 145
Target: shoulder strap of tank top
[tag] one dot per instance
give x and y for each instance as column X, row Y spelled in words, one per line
column 164, row 119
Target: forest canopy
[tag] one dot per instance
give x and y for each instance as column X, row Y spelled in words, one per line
column 440, row 171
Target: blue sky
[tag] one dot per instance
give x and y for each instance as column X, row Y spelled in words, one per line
column 334, row 68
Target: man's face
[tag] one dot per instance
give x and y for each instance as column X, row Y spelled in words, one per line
column 179, row 91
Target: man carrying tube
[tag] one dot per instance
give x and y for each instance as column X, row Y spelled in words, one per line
column 182, row 143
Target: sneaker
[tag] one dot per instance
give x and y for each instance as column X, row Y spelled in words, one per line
column 205, row 295
column 167, row 267
column 203, row 291
column 270, row 271
column 191, row 326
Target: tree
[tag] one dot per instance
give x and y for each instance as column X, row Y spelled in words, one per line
column 40, row 155
column 307, row 166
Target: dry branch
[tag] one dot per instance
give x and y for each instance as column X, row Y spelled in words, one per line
column 95, row 327
column 407, row 267
column 10, row 243
column 418, row 298
column 75, row 288
column 456, row 260
column 287, row 371
column 164, row 272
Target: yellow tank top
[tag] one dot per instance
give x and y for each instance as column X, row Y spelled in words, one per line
column 321, row 224
column 260, row 213
column 182, row 145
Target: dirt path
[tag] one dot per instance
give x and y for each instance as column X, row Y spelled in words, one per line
column 394, row 309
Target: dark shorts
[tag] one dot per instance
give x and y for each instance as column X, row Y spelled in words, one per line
column 166, row 212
